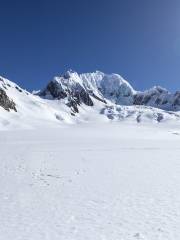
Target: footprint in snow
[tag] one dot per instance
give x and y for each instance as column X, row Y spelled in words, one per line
column 139, row 236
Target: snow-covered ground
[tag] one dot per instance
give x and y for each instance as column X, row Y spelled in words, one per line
column 104, row 181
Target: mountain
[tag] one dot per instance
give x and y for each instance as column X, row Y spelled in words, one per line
column 158, row 97
column 83, row 88
column 73, row 97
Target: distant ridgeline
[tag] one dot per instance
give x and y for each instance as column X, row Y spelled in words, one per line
column 75, row 94
column 83, row 88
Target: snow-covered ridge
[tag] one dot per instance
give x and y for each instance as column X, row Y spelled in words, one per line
column 98, row 85
column 160, row 98
column 86, row 97
column 109, row 87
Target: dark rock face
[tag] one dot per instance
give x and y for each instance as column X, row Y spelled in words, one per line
column 98, row 98
column 5, row 102
column 74, row 93
column 154, row 96
column 80, row 95
column 176, row 101
column 55, row 91
column 76, row 89
column 73, row 105
column 138, row 99
column 159, row 117
column 159, row 98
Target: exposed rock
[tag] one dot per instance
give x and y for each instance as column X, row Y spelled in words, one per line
column 66, row 88
column 5, row 102
column 88, row 87
column 160, row 117
column 158, row 97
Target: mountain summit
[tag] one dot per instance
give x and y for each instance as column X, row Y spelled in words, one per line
column 82, row 88
column 73, row 97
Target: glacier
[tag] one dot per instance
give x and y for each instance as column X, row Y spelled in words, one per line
column 73, row 98
column 89, row 157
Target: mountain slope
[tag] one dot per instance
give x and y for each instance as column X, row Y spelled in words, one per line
column 73, row 98
column 104, row 87
column 97, row 85
column 160, row 98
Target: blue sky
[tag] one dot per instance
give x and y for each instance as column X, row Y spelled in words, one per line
column 140, row 39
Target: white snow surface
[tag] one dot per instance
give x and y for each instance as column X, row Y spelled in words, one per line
column 103, row 181
column 34, row 112
column 109, row 86
column 111, row 172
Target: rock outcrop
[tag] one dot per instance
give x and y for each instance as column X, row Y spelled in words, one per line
column 5, row 102
column 158, row 97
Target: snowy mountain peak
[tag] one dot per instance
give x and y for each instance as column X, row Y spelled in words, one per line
column 7, row 84
column 73, row 97
column 70, row 74
column 158, row 89
column 77, row 88
column 116, row 89
column 96, row 85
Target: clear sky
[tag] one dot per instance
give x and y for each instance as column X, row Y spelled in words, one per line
column 140, row 39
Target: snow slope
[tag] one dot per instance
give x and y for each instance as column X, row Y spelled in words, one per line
column 93, row 181
column 32, row 111
column 87, row 159
column 110, row 87
column 97, row 85
column 73, row 98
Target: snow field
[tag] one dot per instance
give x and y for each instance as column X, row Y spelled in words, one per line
column 103, row 181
